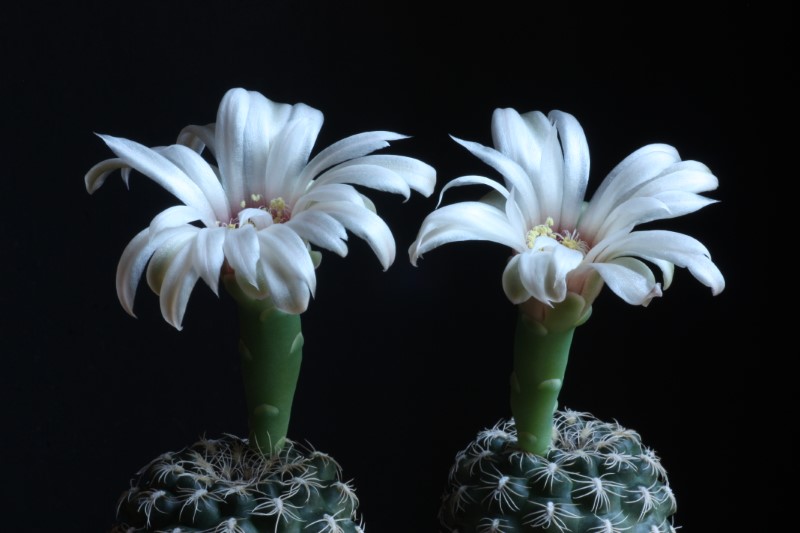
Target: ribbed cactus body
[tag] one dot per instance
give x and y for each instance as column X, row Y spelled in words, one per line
column 597, row 477
column 224, row 486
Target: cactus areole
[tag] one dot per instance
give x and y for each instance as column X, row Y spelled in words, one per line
column 541, row 351
column 271, row 350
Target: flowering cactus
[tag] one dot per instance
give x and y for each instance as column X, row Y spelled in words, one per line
column 253, row 220
column 564, row 250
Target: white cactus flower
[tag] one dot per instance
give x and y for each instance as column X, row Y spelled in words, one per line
column 560, row 243
column 261, row 208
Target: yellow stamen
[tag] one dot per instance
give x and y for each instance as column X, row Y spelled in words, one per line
column 539, row 231
column 570, row 239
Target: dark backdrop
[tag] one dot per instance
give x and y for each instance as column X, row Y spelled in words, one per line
column 401, row 368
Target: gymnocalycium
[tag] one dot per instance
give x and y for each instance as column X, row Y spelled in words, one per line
column 253, row 219
column 545, row 469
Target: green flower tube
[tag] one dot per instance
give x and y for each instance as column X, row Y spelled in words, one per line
column 271, row 349
column 541, row 351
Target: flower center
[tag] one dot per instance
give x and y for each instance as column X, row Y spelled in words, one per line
column 570, row 239
column 277, row 208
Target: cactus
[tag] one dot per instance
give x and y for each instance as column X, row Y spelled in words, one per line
column 225, row 486
column 596, row 477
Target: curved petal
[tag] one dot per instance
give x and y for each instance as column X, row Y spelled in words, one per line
column 686, row 176
column 373, row 176
column 630, row 279
column 241, row 251
column 520, row 138
column 320, row 229
column 472, row 180
column 287, row 268
column 161, row 170
column 201, row 173
column 639, row 167
column 208, row 256
column 169, row 248
column 177, row 215
column 512, row 282
column 197, row 137
column 575, row 150
column 332, row 192
column 130, row 267
column 465, row 221
column 179, row 281
column 348, row 148
column 367, row 225
column 543, row 269
column 420, row 176
column 97, row 175
column 259, row 218
column 134, row 259
column 549, row 181
column 289, row 152
column 514, row 175
column 677, row 248
column 230, row 142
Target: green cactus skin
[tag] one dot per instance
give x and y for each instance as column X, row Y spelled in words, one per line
column 596, row 477
column 226, row 486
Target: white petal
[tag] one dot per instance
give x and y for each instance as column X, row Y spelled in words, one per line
column 512, row 282
column 201, row 173
column 549, row 181
column 130, row 267
column 686, row 176
column 320, row 229
column 134, row 259
column 258, row 217
column 179, row 281
column 288, row 154
column 348, row 148
column 576, row 165
column 367, row 225
column 97, row 175
column 373, row 176
column 630, row 279
column 472, row 180
column 208, row 256
column 677, row 248
column 420, row 176
column 230, row 142
column 174, row 216
column 543, row 269
column 465, row 221
column 333, row 192
column 515, row 177
column 621, row 183
column 198, row 137
column 161, row 170
column 520, row 138
column 172, row 242
column 287, row 268
column 241, row 251
column 625, row 216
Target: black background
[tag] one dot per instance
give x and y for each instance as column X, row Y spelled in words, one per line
column 401, row 368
